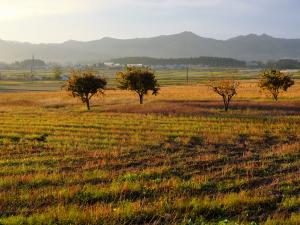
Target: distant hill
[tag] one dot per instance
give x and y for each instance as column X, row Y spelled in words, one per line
column 182, row 45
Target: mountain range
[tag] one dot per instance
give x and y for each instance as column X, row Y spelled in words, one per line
column 187, row 44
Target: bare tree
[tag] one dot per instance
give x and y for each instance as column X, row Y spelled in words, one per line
column 225, row 88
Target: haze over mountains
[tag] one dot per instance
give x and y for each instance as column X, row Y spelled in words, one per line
column 186, row 44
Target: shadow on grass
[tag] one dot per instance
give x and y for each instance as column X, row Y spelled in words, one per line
column 238, row 108
column 269, row 108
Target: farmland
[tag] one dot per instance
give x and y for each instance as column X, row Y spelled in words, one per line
column 16, row 80
column 177, row 159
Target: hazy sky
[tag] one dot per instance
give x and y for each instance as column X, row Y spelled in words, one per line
column 60, row 20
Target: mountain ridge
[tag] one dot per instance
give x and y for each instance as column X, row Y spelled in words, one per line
column 185, row 44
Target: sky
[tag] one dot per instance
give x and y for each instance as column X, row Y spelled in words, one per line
column 53, row 21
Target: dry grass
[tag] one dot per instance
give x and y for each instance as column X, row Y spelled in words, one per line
column 178, row 159
column 178, row 99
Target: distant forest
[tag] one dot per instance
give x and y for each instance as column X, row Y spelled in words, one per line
column 209, row 62
column 284, row 64
column 181, row 62
column 26, row 64
column 203, row 61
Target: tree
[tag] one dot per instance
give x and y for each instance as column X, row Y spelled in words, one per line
column 275, row 81
column 85, row 84
column 140, row 80
column 57, row 72
column 225, row 88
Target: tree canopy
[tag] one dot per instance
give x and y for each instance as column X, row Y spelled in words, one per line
column 275, row 81
column 140, row 80
column 85, row 84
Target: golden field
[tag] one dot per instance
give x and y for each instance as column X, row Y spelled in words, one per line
column 177, row 159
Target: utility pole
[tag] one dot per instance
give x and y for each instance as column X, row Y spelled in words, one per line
column 32, row 67
column 187, row 74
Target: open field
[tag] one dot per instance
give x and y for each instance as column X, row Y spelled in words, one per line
column 13, row 80
column 177, row 159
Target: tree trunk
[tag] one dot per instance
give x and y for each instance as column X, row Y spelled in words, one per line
column 226, row 103
column 141, row 99
column 87, row 104
column 226, row 107
column 275, row 94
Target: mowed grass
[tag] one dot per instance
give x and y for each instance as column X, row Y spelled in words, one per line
column 177, row 159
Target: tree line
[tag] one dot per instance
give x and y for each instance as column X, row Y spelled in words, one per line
column 204, row 61
column 209, row 62
column 199, row 61
column 284, row 64
column 25, row 64
column 87, row 83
